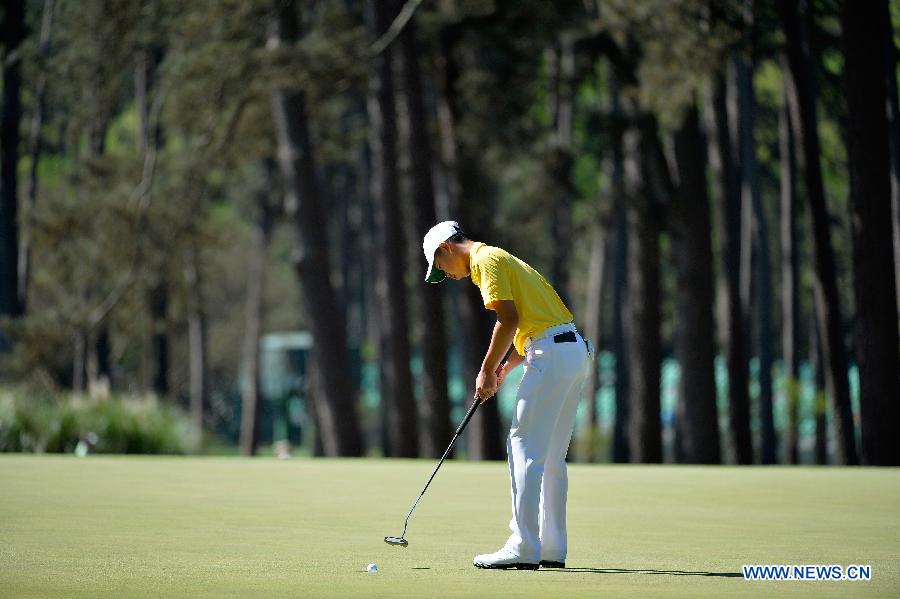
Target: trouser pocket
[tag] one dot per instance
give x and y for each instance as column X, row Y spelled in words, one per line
column 536, row 357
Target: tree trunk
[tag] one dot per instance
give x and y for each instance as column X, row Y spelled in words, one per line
column 890, row 75
column 644, row 354
column 620, row 450
column 790, row 284
column 820, row 401
column 764, row 302
column 604, row 235
column 801, row 99
column 561, row 161
column 619, row 243
column 756, row 225
column 197, row 342
column 643, row 304
column 448, row 75
column 593, row 330
column 79, row 359
column 738, row 119
column 159, row 308
column 97, row 365
column 695, row 336
column 470, row 199
column 728, row 221
column 337, row 408
column 647, row 185
column 10, row 117
column 394, row 355
column 198, row 346
column 36, row 148
column 312, row 392
column 253, row 324
column 143, row 74
column 362, row 227
column 870, row 201
column 348, row 227
column 157, row 364
column 367, row 257
column 432, row 340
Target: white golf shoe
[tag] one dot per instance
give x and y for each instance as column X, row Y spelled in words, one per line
column 502, row 560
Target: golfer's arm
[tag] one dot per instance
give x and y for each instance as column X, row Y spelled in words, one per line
column 504, row 332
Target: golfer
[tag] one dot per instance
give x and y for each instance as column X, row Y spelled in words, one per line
column 532, row 317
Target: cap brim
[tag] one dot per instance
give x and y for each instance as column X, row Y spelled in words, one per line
column 434, row 275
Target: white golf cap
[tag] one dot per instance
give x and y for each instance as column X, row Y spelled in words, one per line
column 438, row 234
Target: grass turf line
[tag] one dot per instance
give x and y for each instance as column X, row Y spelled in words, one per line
column 213, row 527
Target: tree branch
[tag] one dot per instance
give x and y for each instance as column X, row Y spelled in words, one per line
column 396, row 27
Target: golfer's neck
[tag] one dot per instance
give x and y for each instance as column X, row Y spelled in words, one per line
column 465, row 251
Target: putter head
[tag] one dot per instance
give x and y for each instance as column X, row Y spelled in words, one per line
column 396, row 541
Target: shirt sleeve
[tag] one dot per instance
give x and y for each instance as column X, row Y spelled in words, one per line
column 495, row 279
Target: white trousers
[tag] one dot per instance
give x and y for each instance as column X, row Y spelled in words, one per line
column 546, row 403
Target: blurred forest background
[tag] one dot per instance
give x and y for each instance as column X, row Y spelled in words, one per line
column 212, row 211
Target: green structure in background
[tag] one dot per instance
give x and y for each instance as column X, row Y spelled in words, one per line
column 284, row 374
column 284, row 388
column 670, row 377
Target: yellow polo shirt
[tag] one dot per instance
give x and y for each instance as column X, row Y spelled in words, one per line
column 501, row 276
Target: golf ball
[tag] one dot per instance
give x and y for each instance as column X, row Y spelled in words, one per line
column 372, row 568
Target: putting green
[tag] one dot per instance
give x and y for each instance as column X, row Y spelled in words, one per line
column 213, row 527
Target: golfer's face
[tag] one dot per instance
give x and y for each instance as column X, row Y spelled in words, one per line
column 450, row 262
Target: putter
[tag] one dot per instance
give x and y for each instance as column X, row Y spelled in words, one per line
column 401, row 540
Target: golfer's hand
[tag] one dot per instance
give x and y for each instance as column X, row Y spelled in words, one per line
column 514, row 360
column 486, row 385
column 501, row 374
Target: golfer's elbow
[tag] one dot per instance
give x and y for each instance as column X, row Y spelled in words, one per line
column 511, row 321
column 507, row 314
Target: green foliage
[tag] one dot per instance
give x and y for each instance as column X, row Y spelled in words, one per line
column 56, row 424
column 681, row 45
column 112, row 224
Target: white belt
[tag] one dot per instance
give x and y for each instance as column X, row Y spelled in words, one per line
column 551, row 332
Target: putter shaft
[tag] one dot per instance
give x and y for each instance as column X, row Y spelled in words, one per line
column 401, row 540
column 459, row 430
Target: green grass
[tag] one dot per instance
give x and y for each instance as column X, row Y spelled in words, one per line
column 217, row 527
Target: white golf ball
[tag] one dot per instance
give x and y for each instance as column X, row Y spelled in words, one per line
column 372, row 568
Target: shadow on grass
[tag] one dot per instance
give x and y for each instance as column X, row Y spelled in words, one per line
column 644, row 571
